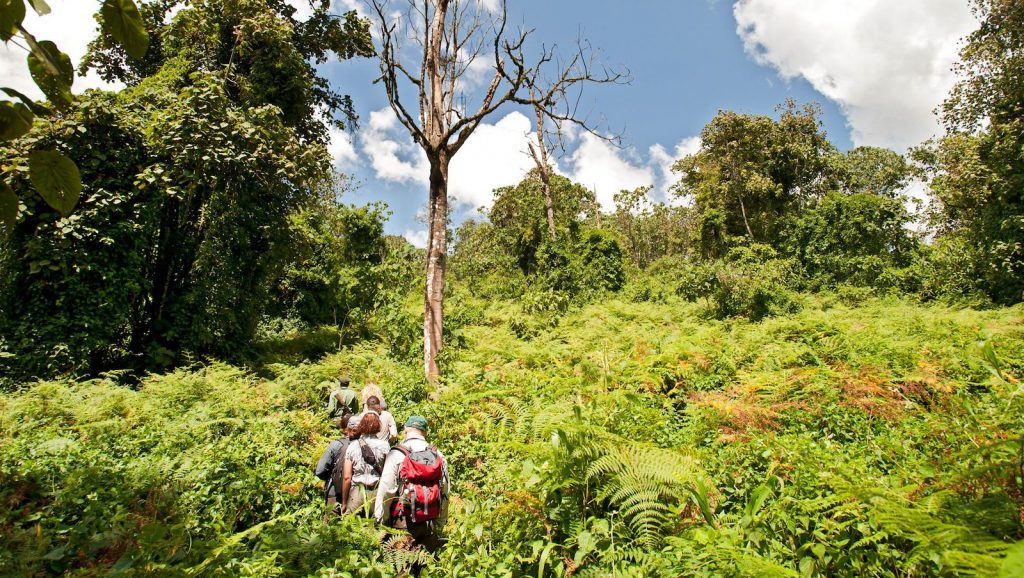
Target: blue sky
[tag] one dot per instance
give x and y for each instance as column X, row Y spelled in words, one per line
column 877, row 68
column 688, row 59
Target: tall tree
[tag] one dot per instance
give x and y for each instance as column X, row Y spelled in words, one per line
column 450, row 36
column 176, row 239
column 752, row 172
column 978, row 168
column 519, row 214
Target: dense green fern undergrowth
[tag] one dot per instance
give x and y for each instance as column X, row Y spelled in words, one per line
column 622, row 439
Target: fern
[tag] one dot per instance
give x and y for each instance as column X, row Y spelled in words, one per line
column 963, row 549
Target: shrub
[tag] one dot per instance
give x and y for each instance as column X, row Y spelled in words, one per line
column 753, row 283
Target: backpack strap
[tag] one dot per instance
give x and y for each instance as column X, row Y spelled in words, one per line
column 370, row 458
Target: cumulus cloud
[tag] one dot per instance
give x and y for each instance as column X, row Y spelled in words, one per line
column 347, row 5
column 303, row 9
column 71, row 26
column 663, row 161
column 393, row 155
column 342, row 150
column 606, row 170
column 417, row 238
column 887, row 64
column 494, row 156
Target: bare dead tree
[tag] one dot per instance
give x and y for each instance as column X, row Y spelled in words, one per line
column 450, row 36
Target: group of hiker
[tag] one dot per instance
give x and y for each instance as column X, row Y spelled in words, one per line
column 366, row 473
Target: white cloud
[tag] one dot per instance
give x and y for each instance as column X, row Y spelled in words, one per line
column 663, row 161
column 340, row 6
column 417, row 238
column 494, row 156
column 303, row 9
column 71, row 26
column 606, row 170
column 342, row 150
column 490, row 5
column 393, row 155
column 887, row 64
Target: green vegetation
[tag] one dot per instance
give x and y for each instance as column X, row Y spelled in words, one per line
column 788, row 374
column 882, row 438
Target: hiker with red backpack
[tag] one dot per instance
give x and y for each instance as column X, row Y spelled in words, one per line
column 413, row 490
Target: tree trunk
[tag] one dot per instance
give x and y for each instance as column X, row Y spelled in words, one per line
column 437, row 250
column 541, row 157
column 743, row 211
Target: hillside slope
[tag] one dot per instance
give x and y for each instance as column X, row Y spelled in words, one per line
column 625, row 439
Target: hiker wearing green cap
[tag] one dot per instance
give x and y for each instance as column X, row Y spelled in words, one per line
column 413, row 490
column 343, row 401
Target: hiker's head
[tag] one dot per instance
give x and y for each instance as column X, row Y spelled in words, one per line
column 343, row 381
column 352, row 426
column 417, row 423
column 373, row 403
column 371, row 390
column 369, row 424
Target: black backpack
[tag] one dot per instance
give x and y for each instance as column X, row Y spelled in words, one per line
column 338, row 470
column 370, row 458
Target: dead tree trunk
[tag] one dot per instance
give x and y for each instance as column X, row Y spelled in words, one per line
column 451, row 35
column 437, row 251
column 540, row 158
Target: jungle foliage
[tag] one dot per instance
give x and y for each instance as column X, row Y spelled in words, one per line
column 779, row 370
column 881, row 438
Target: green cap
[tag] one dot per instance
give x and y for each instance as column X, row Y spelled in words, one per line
column 417, row 421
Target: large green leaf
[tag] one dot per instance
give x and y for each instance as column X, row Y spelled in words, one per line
column 56, row 178
column 12, row 12
column 1013, row 564
column 121, row 19
column 15, row 119
column 40, row 6
column 8, row 206
column 52, row 71
column 31, row 104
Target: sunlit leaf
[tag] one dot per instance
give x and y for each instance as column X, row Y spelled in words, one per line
column 1013, row 564
column 8, row 206
column 56, row 178
column 52, row 71
column 15, row 119
column 40, row 6
column 121, row 19
column 12, row 12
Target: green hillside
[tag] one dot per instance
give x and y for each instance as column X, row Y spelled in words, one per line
column 628, row 439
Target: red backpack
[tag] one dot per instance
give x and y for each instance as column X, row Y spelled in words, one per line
column 419, row 485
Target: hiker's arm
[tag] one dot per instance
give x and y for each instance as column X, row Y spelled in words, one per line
column 323, row 467
column 332, row 404
column 387, row 487
column 346, row 481
column 392, row 430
